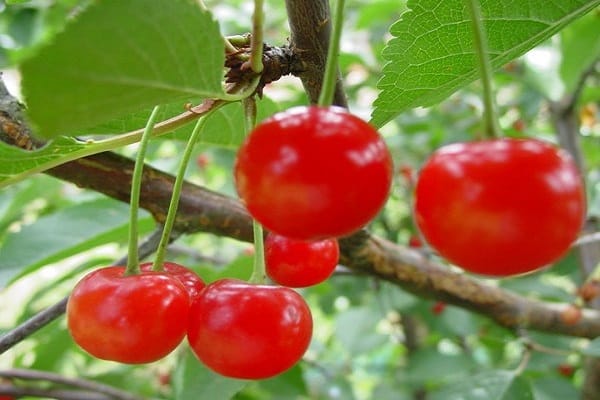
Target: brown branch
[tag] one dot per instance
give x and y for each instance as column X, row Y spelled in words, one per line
column 99, row 389
column 310, row 24
column 564, row 115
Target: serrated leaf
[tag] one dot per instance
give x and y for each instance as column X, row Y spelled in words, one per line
column 431, row 55
column 117, row 57
column 489, row 385
column 65, row 233
column 192, row 380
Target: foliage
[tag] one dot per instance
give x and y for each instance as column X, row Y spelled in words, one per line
column 92, row 72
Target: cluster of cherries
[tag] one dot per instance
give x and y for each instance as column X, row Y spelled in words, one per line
column 309, row 175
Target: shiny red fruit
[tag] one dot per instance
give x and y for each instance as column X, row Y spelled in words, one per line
column 500, row 207
column 192, row 282
column 130, row 319
column 299, row 263
column 247, row 331
column 313, row 172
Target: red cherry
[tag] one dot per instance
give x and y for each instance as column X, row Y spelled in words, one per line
column 192, row 282
column 438, row 307
column 128, row 318
column 415, row 242
column 314, row 172
column 247, row 331
column 500, row 207
column 299, row 263
column 203, row 161
column 566, row 370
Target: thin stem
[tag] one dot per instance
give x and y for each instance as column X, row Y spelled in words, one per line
column 175, row 196
column 524, row 361
column 28, row 374
column 95, row 147
column 485, row 70
column 331, row 65
column 256, row 42
column 259, row 270
column 133, row 262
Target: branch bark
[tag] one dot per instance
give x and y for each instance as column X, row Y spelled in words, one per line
column 310, row 25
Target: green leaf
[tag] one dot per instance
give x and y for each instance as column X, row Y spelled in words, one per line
column 355, row 329
column 550, row 388
column 117, row 57
column 593, row 348
column 65, row 233
column 489, row 385
column 431, row 54
column 16, row 164
column 580, row 46
column 192, row 380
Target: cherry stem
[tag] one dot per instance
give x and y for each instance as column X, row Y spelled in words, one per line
column 259, row 273
column 256, row 41
column 492, row 129
column 133, row 262
column 176, row 194
column 329, row 79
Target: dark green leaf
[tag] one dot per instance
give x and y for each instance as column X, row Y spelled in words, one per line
column 117, row 57
column 432, row 55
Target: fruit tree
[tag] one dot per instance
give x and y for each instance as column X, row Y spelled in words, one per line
column 300, row 199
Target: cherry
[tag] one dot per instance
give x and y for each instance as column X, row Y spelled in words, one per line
column 248, row 331
column 500, row 207
column 438, row 307
column 128, row 318
column 566, row 370
column 192, row 282
column 299, row 263
column 415, row 242
column 313, row 172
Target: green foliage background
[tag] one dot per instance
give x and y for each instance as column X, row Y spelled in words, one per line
column 51, row 233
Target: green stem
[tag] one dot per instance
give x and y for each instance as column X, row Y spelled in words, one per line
column 492, row 130
column 259, row 273
column 259, row 270
column 331, row 65
column 256, row 42
column 112, row 143
column 133, row 262
column 175, row 195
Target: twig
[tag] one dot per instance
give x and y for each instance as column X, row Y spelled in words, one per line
column 99, row 388
column 58, row 394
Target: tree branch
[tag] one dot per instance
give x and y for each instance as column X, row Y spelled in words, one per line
column 93, row 387
column 310, row 25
